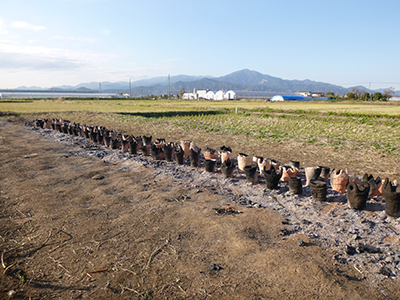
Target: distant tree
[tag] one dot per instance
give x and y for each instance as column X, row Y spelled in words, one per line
column 365, row 97
column 351, row 96
column 357, row 92
column 379, row 97
column 389, row 92
column 330, row 94
column 182, row 91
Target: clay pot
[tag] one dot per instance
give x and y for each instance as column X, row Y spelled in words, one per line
column 47, row 124
column 194, row 158
column 251, row 173
column 339, row 180
column 85, row 132
column 157, row 153
column 243, row 161
column 295, row 186
column 39, row 123
column 325, row 172
column 225, row 153
column 357, row 194
column 318, row 190
column 132, row 147
column 262, row 165
column 116, row 144
column 288, row 172
column 107, row 141
column 227, row 168
column 312, row 173
column 375, row 185
column 210, row 154
column 169, row 151
column 209, row 165
column 146, row 140
column 179, row 155
column 392, row 198
column 272, row 178
column 125, row 145
column 186, row 148
column 159, row 143
column 146, row 150
column 294, row 163
column 99, row 137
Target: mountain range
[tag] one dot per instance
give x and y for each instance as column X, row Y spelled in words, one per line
column 239, row 80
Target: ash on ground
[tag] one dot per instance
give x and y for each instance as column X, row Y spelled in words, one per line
column 367, row 240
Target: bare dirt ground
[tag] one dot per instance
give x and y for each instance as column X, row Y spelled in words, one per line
column 80, row 227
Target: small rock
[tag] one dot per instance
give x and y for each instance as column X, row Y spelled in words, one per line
column 340, row 259
column 367, row 248
column 389, row 259
column 216, row 267
column 301, row 243
column 284, row 232
column 350, row 250
column 98, row 177
column 386, row 271
column 285, row 221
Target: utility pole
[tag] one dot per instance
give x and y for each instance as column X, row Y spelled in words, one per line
column 99, row 87
column 369, row 90
column 130, row 89
column 169, row 87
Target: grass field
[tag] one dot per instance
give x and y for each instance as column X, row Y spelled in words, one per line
column 346, row 126
column 38, row 106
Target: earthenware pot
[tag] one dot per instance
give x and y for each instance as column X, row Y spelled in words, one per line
column 179, row 155
column 318, row 190
column 115, row 144
column 272, row 177
column 288, row 172
column 325, row 172
column 157, row 153
column 251, row 173
column 375, row 185
column 194, row 158
column 339, row 180
column 225, row 153
column 357, row 194
column 209, row 165
column 312, row 173
column 146, row 150
column 294, row 163
column 132, row 147
column 227, row 168
column 392, row 198
column 186, row 148
column 295, row 186
column 243, row 161
column 210, row 154
column 169, row 151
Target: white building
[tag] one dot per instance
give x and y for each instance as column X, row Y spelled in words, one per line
column 290, row 98
column 219, row 96
column 209, row 95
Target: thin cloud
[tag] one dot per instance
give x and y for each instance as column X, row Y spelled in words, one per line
column 16, row 56
column 25, row 25
column 77, row 39
column 2, row 30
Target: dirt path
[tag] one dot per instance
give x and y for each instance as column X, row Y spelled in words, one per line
column 76, row 227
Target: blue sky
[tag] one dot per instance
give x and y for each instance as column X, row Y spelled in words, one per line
column 54, row 42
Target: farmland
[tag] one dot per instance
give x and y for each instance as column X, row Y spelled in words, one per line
column 361, row 131
column 81, row 221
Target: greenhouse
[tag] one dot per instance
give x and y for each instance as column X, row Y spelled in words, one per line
column 290, row 98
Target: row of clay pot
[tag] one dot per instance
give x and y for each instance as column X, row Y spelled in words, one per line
column 358, row 192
